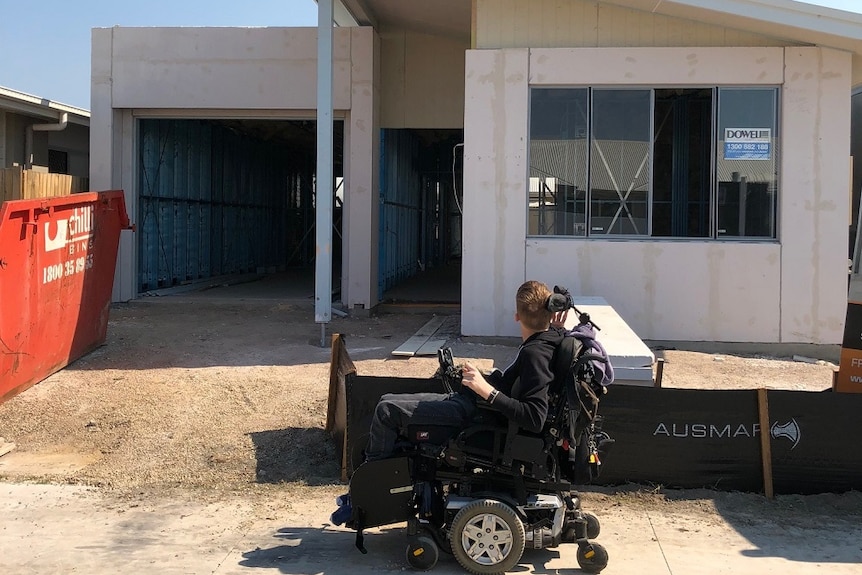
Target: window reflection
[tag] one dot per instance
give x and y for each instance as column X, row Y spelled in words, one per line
column 620, row 162
column 558, row 162
column 746, row 163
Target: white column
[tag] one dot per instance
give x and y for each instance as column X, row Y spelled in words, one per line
column 814, row 190
column 361, row 161
column 323, row 198
column 495, row 189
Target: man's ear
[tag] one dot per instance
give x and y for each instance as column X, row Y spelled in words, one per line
column 517, row 317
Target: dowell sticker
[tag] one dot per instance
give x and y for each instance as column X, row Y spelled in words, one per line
column 789, row 431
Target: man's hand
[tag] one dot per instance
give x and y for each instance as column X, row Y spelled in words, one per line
column 559, row 318
column 474, row 380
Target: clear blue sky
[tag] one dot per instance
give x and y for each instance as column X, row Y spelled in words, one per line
column 45, row 45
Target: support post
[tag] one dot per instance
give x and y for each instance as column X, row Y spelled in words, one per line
column 323, row 189
column 765, row 446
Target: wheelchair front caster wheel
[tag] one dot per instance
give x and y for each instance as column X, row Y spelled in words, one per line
column 593, row 525
column 422, row 553
column 592, row 557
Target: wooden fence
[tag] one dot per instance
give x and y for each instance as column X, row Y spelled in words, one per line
column 17, row 183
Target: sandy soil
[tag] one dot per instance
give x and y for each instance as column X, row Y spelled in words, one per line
column 208, row 399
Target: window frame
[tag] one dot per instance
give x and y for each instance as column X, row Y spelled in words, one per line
column 713, row 164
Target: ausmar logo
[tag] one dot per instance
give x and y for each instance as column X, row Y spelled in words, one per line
column 789, row 430
column 78, row 226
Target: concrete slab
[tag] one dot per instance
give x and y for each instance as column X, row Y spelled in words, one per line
column 69, row 529
column 631, row 357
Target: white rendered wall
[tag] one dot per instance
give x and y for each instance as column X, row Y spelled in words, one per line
column 814, row 199
column 237, row 73
column 361, row 157
column 227, row 68
column 791, row 290
column 495, row 180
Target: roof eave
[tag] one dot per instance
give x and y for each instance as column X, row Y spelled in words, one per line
column 41, row 107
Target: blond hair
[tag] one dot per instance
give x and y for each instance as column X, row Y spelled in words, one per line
column 531, row 303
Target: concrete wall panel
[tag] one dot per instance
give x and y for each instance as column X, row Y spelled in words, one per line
column 657, row 66
column 697, row 291
column 495, row 175
column 362, row 150
column 814, row 204
column 246, row 68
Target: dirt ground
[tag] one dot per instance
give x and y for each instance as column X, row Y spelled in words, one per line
column 208, row 398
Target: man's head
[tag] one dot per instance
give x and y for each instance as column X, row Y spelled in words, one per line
column 531, row 305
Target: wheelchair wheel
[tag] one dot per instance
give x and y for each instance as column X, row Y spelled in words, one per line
column 422, row 553
column 593, row 526
column 592, row 557
column 487, row 537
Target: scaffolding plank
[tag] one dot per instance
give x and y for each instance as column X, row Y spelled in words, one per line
column 420, row 338
column 430, row 347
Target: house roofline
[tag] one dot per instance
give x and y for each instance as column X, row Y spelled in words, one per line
column 41, row 107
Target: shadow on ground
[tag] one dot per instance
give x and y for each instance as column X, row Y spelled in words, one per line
column 295, row 454
column 303, row 550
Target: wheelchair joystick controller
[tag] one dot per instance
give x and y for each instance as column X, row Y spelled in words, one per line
column 449, row 374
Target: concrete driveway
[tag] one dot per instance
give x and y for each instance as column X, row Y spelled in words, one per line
column 59, row 529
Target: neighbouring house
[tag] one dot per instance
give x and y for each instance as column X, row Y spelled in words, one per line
column 687, row 160
column 43, row 135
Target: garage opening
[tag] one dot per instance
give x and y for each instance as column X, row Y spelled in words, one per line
column 420, row 217
column 231, row 198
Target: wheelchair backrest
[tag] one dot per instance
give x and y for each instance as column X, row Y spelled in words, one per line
column 581, row 371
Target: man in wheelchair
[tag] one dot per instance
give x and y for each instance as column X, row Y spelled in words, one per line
column 484, row 470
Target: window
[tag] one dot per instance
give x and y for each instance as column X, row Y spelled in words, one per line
column 620, row 163
column 58, row 162
column 558, row 162
column 746, row 163
column 663, row 162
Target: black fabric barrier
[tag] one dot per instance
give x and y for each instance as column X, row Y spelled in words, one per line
column 362, row 393
column 816, row 441
column 691, row 438
column 679, row 438
column 711, row 438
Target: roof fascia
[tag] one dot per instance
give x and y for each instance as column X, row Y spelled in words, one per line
column 783, row 12
column 22, row 103
column 359, row 12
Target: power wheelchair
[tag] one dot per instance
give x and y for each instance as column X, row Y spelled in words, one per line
column 488, row 492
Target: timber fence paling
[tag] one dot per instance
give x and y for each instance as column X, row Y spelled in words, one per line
column 19, row 184
column 10, row 184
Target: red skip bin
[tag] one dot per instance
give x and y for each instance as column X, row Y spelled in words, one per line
column 57, row 260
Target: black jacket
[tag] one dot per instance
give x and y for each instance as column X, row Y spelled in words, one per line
column 523, row 386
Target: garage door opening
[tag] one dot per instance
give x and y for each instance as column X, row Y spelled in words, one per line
column 231, row 198
column 420, row 217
